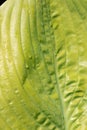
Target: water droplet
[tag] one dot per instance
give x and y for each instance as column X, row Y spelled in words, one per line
column 52, row 126
column 10, row 103
column 52, row 72
column 16, row 91
column 30, row 57
column 37, row 65
column 41, row 128
column 47, row 122
column 27, row 66
column 55, row 15
column 41, row 118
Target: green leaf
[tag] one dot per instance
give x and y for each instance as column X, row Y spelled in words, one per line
column 43, row 65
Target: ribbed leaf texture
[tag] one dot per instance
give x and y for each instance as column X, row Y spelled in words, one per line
column 43, row 65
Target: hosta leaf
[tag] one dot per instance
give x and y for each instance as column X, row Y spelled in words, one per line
column 43, row 65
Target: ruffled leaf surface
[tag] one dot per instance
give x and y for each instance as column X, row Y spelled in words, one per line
column 43, row 65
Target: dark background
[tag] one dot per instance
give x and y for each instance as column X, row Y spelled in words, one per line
column 2, row 1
